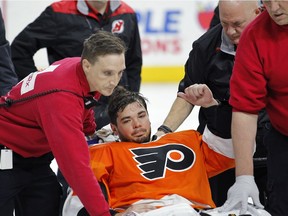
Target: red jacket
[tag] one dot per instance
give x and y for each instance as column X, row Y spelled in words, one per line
column 259, row 76
column 54, row 122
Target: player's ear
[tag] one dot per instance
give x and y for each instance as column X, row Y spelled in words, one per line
column 114, row 129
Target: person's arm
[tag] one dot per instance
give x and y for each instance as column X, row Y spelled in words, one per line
column 218, row 114
column 195, row 70
column 244, row 126
column 33, row 37
column 63, row 127
column 197, row 94
column 134, row 59
column 8, row 77
column 89, row 125
column 179, row 111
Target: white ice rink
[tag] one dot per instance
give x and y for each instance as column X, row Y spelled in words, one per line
column 160, row 98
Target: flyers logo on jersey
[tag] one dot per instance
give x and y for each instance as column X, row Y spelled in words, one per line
column 155, row 161
column 117, row 26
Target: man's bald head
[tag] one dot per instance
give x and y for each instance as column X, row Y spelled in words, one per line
column 235, row 15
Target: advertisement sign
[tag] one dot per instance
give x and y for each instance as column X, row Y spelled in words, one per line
column 167, row 30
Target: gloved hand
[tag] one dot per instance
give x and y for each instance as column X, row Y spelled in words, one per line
column 238, row 195
column 251, row 211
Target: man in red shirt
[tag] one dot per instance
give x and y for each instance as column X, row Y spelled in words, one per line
column 259, row 80
column 46, row 115
column 61, row 29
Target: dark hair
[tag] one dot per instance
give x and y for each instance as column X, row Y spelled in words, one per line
column 102, row 43
column 121, row 98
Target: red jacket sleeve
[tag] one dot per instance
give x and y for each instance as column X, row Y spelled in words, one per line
column 62, row 119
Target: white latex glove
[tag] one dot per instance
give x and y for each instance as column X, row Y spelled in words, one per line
column 251, row 211
column 238, row 195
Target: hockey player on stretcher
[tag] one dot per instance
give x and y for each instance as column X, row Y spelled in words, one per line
column 167, row 176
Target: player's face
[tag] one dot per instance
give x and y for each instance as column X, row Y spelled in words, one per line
column 278, row 10
column 133, row 124
column 104, row 75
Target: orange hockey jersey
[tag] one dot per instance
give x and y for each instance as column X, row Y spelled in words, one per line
column 178, row 163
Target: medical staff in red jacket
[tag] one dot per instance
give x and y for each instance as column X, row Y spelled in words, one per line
column 46, row 115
